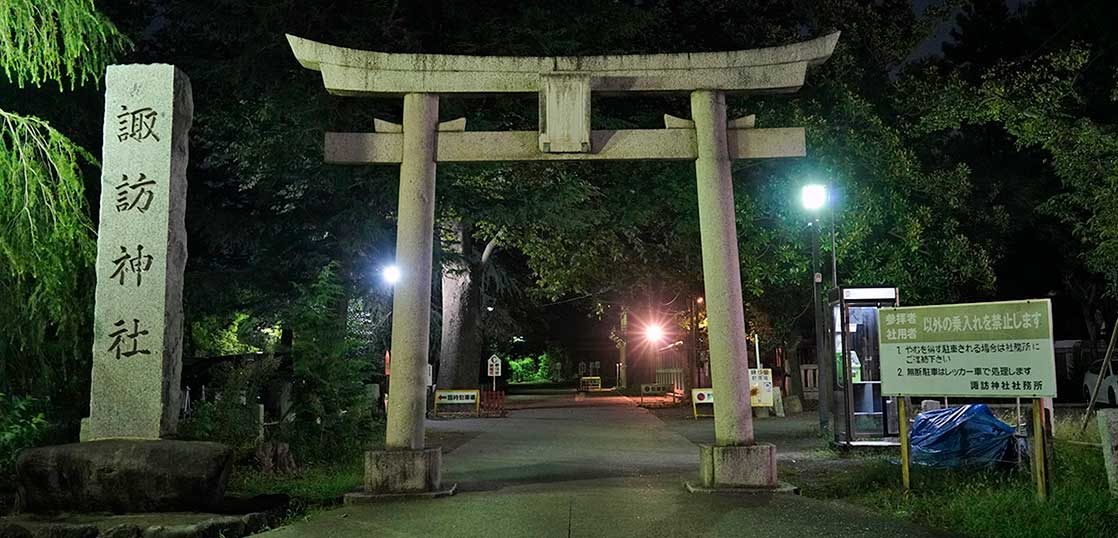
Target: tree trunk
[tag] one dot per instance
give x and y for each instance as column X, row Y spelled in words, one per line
column 792, row 364
column 461, row 349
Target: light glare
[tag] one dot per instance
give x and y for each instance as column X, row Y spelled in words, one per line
column 813, row 196
column 391, row 274
column 654, row 333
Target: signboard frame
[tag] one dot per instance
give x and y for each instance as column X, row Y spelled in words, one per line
column 935, row 352
column 476, row 394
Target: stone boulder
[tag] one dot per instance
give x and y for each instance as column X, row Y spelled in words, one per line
column 123, row 476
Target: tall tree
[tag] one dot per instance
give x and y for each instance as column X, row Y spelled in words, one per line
column 46, row 235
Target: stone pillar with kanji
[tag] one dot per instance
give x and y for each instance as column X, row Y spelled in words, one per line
column 141, row 253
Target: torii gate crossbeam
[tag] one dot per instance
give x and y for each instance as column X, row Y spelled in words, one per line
column 564, row 85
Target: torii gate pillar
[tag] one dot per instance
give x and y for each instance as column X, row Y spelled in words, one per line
column 405, row 465
column 734, row 460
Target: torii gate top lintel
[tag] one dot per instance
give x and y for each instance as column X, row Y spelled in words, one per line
column 564, row 86
column 347, row 71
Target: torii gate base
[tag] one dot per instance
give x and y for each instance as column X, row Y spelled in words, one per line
column 735, row 462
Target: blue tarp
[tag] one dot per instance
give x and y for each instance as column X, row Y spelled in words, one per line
column 964, row 436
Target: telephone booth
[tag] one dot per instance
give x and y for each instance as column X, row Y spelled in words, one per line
column 862, row 415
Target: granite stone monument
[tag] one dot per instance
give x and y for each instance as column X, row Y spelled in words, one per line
column 141, row 252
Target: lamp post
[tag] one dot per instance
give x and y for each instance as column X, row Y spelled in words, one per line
column 814, row 197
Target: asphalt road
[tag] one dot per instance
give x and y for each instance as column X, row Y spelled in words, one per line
column 569, row 466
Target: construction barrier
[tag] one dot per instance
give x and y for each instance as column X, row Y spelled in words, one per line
column 493, row 403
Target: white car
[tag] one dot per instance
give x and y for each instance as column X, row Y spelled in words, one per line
column 1109, row 390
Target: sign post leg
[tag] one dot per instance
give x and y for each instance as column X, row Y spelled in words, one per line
column 1040, row 440
column 902, row 422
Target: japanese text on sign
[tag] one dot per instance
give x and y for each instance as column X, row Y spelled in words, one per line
column 999, row 349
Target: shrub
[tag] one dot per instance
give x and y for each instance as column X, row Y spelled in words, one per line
column 22, row 425
column 227, row 418
column 522, row 370
column 331, row 416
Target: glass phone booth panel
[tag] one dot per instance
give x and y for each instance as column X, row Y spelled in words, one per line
column 862, row 415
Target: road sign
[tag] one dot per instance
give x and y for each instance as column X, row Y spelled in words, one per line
column 701, row 397
column 1001, row 350
column 458, row 398
column 760, row 391
column 494, row 370
column 761, row 387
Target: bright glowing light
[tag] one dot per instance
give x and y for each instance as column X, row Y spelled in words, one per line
column 654, row 333
column 699, row 300
column 489, row 308
column 391, row 274
column 813, row 196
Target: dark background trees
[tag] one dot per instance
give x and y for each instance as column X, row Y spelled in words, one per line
column 982, row 173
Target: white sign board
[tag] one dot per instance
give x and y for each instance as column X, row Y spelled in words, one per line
column 1001, row 350
column 494, row 366
column 703, row 396
column 760, row 390
column 456, row 397
column 761, row 387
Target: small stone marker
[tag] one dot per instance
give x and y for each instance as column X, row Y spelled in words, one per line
column 778, row 402
column 141, row 252
column 1108, row 431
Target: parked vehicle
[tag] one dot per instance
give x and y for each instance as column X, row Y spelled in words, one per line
column 1108, row 391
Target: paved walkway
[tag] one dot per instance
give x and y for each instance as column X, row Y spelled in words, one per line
column 587, row 466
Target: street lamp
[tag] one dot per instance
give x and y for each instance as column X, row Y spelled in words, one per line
column 814, row 197
column 654, row 333
column 390, row 274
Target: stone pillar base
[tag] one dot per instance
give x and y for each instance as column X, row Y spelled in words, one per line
column 397, row 473
column 751, row 466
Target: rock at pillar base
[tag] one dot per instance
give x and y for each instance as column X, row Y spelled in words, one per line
column 1108, row 432
column 124, row 476
column 793, row 405
column 401, row 473
column 752, row 466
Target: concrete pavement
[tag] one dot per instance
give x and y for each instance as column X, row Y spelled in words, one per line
column 588, row 466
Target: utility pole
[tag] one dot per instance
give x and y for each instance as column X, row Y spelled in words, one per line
column 693, row 353
column 622, row 360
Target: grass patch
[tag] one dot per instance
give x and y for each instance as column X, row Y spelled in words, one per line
column 994, row 503
column 313, row 488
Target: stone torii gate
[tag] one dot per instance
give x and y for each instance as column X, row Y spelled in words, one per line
column 565, row 86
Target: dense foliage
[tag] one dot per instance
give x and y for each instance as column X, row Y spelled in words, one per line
column 539, row 369
column 987, row 172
